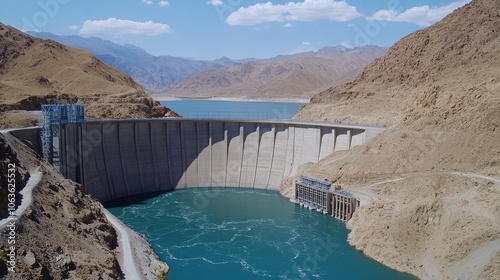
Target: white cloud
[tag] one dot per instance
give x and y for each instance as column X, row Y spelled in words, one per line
column 116, row 26
column 309, row 10
column 288, row 25
column 215, row 2
column 73, row 27
column 148, row 2
column 163, row 3
column 306, row 44
column 422, row 16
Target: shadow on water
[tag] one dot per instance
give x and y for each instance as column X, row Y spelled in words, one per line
column 132, row 200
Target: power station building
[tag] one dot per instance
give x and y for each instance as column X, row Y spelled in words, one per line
column 325, row 197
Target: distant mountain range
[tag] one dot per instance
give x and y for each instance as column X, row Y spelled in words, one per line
column 152, row 72
column 295, row 75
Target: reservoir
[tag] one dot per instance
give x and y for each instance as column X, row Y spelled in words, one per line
column 221, row 109
column 237, row 233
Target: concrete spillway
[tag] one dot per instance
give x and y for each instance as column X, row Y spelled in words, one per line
column 114, row 159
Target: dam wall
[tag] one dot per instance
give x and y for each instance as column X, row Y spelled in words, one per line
column 119, row 158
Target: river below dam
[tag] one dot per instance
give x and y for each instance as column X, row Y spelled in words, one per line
column 246, row 234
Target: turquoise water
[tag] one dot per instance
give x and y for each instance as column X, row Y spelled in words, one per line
column 245, row 234
column 217, row 109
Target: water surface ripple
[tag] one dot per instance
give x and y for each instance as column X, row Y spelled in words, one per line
column 231, row 233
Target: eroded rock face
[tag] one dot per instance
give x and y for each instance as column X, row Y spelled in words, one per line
column 64, row 233
column 34, row 103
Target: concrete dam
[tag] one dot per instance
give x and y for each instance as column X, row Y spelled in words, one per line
column 119, row 158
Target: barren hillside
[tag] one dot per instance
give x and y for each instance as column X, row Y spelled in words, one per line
column 292, row 76
column 434, row 175
column 64, row 233
column 34, row 71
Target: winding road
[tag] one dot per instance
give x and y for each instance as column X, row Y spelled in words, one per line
column 129, row 268
column 26, row 192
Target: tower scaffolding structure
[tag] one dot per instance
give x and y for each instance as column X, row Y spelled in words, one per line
column 55, row 117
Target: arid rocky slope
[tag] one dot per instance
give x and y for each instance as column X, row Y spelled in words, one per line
column 294, row 76
column 434, row 175
column 446, row 72
column 34, row 71
column 64, row 233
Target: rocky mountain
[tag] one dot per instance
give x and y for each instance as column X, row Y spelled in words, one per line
column 152, row 72
column 433, row 177
column 35, row 71
column 287, row 76
column 454, row 62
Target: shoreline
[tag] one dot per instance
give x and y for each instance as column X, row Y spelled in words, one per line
column 135, row 252
column 127, row 260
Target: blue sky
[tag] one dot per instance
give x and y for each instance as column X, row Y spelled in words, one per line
column 209, row 29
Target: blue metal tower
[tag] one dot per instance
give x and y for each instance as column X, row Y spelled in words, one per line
column 54, row 116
